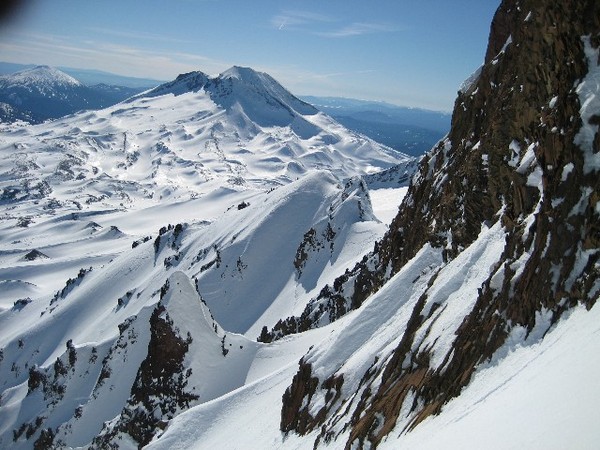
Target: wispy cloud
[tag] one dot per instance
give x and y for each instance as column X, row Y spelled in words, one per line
column 357, row 29
column 138, row 35
column 298, row 20
column 109, row 56
column 326, row 26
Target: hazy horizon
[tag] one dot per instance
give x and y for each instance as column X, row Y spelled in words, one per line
column 412, row 55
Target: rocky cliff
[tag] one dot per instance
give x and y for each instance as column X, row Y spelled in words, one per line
column 521, row 159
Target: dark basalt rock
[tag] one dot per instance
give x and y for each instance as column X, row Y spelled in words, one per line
column 159, row 390
column 293, row 415
column 35, row 254
column 525, row 98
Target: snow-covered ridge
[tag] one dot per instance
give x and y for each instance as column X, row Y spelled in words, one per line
column 118, row 224
column 181, row 140
column 111, row 314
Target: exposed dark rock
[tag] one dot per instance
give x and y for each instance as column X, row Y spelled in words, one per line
column 308, row 242
column 36, row 379
column 134, row 244
column 45, row 441
column 35, row 254
column 21, row 303
column 159, row 390
column 293, row 415
column 70, row 285
column 169, row 236
column 524, row 100
column 24, row 222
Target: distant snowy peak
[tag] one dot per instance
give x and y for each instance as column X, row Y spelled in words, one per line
column 263, row 83
column 254, row 95
column 42, row 93
column 40, row 77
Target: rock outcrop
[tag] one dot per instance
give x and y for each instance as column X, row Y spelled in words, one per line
column 522, row 156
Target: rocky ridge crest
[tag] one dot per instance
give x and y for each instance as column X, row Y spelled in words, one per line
column 521, row 156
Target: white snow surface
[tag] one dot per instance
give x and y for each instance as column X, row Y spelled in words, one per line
column 270, row 208
column 386, row 202
column 537, row 395
column 42, row 78
column 89, row 192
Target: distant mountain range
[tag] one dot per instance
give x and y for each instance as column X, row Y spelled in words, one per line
column 410, row 130
column 87, row 76
column 42, row 92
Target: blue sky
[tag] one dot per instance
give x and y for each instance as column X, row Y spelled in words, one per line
column 410, row 53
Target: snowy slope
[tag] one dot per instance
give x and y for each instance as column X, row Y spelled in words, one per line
column 469, row 324
column 510, row 209
column 145, row 247
column 179, row 141
column 105, row 308
column 155, row 153
column 525, row 398
column 530, row 378
column 168, row 231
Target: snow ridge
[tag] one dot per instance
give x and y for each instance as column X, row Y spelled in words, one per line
column 94, row 193
column 184, row 200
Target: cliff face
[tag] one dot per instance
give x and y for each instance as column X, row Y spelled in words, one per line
column 521, row 158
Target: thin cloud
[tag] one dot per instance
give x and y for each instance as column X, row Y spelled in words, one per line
column 117, row 58
column 139, row 35
column 357, row 29
column 321, row 25
column 298, row 20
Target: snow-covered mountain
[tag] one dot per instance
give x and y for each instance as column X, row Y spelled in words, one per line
column 494, row 247
column 146, row 247
column 179, row 141
column 44, row 92
column 225, row 193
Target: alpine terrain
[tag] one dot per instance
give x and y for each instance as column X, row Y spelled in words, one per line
column 158, row 237
column 42, row 92
column 214, row 263
column 410, row 130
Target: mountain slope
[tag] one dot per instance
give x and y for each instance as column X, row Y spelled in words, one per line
column 122, row 227
column 133, row 328
column 514, row 164
column 482, row 288
column 183, row 139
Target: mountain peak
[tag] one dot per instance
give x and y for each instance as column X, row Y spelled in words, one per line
column 258, row 92
column 41, row 75
column 255, row 95
column 241, row 72
column 250, row 76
